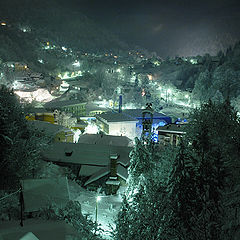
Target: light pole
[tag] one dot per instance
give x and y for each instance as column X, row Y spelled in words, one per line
column 98, row 198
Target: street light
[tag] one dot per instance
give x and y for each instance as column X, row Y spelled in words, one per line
column 98, row 198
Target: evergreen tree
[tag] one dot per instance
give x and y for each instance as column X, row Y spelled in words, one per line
column 20, row 145
column 141, row 215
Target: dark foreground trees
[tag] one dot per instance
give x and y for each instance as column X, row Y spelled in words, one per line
column 195, row 195
column 20, row 145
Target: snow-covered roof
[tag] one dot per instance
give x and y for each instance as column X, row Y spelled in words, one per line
column 97, row 175
column 48, row 128
column 88, row 170
column 121, row 172
column 173, row 128
column 115, row 117
column 130, row 115
column 91, row 106
column 85, row 154
column 102, row 139
column 58, row 104
column 38, row 193
column 43, row 229
column 137, row 113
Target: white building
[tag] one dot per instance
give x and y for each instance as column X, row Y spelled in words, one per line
column 117, row 124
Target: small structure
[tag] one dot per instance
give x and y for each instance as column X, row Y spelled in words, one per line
column 171, row 133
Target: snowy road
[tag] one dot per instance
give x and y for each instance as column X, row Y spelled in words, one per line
column 108, row 206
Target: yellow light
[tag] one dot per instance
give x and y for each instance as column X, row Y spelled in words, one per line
column 150, row 77
column 48, row 43
column 115, row 56
column 3, row 24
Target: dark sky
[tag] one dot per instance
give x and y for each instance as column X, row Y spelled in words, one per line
column 169, row 27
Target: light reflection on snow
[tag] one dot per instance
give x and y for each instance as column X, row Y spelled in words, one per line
column 40, row 95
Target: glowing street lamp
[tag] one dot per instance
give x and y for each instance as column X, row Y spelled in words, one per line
column 98, row 198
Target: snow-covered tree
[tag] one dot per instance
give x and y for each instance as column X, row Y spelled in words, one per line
column 141, row 215
column 65, row 119
column 204, row 175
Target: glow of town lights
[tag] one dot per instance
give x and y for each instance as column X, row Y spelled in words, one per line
column 40, row 95
column 118, row 70
column 91, row 129
column 64, row 49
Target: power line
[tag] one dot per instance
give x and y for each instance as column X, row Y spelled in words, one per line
column 10, row 194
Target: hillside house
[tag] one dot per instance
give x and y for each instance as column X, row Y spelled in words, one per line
column 94, row 164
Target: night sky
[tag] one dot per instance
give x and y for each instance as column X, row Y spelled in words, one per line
column 177, row 27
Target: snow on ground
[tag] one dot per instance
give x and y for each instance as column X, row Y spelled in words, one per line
column 108, row 206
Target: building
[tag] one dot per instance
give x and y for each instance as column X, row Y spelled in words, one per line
column 75, row 107
column 56, row 133
column 94, row 164
column 92, row 109
column 171, row 133
column 128, row 122
column 119, row 124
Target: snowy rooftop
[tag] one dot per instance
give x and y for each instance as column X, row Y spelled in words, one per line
column 105, row 139
column 39, row 193
column 116, row 117
column 91, row 106
column 48, row 128
column 121, row 172
column 86, row 154
column 173, row 128
column 130, row 115
column 57, row 103
column 137, row 113
column 42, row 229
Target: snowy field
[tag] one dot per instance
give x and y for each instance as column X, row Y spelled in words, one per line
column 108, row 206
